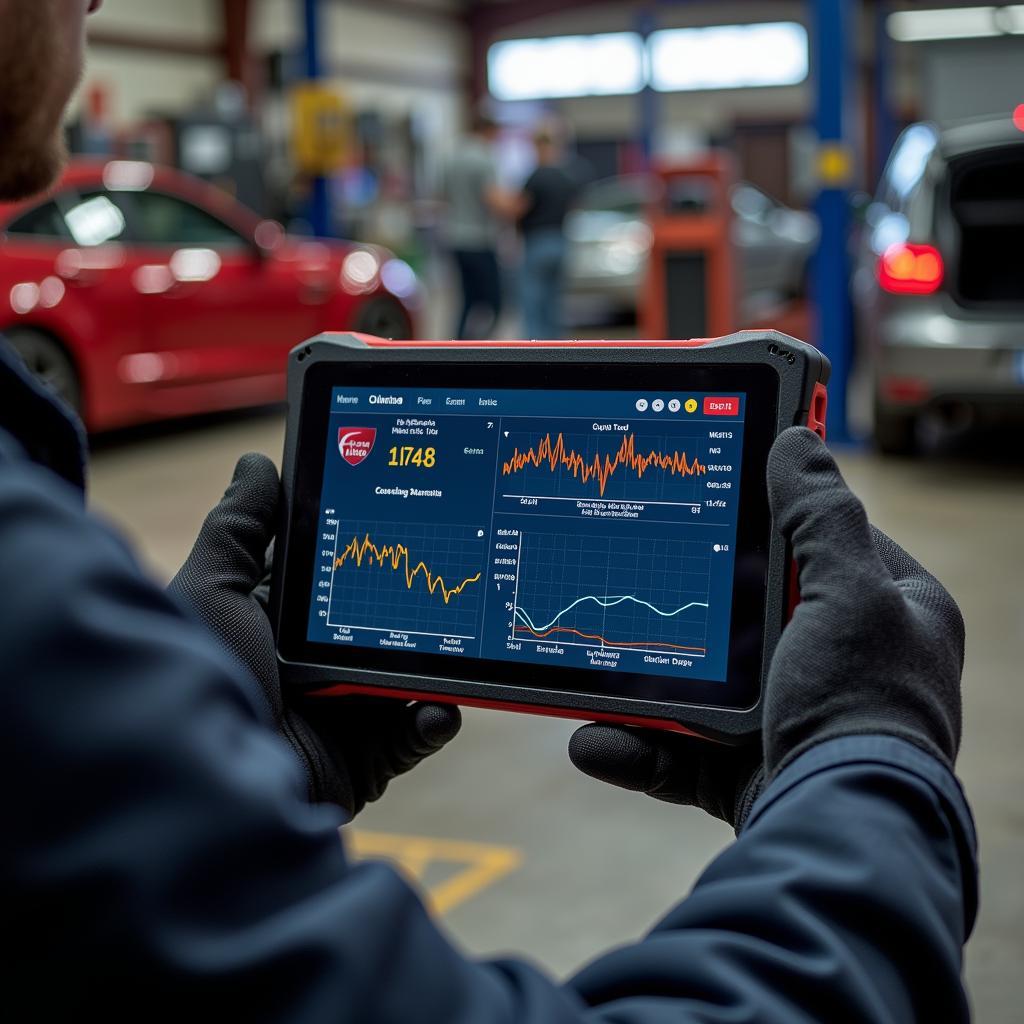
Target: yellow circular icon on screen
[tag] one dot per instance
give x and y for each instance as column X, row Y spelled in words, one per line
column 691, row 405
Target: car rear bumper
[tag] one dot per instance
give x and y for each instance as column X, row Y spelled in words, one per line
column 928, row 359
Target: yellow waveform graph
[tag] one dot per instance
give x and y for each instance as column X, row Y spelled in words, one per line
column 396, row 557
column 556, row 455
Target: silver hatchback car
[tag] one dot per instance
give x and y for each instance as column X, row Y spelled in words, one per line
column 939, row 282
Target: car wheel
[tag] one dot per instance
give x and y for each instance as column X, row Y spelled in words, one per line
column 48, row 361
column 384, row 318
column 895, row 432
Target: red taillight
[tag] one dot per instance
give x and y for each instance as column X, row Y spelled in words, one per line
column 902, row 390
column 906, row 269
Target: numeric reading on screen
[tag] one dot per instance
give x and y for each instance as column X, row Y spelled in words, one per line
column 579, row 529
column 409, row 456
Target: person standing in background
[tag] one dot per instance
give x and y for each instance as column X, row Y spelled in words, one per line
column 474, row 203
column 546, row 198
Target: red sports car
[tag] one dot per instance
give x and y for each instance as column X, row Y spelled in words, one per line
column 142, row 293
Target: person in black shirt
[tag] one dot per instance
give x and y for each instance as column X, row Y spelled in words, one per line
column 547, row 197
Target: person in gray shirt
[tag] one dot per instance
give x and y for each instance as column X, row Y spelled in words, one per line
column 475, row 202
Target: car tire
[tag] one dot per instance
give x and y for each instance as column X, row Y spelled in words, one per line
column 895, row 432
column 384, row 318
column 49, row 362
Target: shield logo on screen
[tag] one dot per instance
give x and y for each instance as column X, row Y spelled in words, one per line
column 356, row 443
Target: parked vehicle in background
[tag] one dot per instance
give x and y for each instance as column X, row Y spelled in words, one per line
column 141, row 293
column 609, row 244
column 939, row 282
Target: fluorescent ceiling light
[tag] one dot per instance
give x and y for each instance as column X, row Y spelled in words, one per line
column 729, row 57
column 956, row 23
column 1011, row 19
column 535, row 69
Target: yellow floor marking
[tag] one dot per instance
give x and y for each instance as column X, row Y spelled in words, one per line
column 481, row 863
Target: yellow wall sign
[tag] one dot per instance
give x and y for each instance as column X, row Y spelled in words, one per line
column 835, row 164
column 321, row 128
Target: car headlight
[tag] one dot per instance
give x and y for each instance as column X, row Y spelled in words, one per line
column 359, row 272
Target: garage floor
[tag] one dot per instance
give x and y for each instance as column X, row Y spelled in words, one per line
column 540, row 861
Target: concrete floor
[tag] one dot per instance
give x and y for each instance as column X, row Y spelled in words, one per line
column 597, row 866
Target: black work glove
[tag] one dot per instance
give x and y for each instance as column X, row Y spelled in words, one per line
column 351, row 748
column 875, row 646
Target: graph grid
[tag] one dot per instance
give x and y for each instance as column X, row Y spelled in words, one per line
column 615, row 592
column 409, row 577
column 624, row 467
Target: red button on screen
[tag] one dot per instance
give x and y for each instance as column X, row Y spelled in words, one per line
column 721, row 406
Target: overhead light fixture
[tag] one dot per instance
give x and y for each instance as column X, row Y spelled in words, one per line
column 729, row 56
column 956, row 23
column 607, row 64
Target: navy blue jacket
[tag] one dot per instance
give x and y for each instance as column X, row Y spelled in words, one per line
column 160, row 860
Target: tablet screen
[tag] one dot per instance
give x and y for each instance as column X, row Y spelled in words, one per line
column 586, row 530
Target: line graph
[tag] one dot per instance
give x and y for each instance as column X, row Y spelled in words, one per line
column 394, row 555
column 584, row 465
column 603, row 641
column 610, row 602
column 658, row 602
column 407, row 577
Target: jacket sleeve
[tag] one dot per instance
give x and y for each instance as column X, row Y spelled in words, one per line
column 160, row 854
column 847, row 897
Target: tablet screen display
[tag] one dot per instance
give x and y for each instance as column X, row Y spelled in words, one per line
column 585, row 530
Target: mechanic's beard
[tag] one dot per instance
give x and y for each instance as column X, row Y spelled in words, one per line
column 32, row 98
column 30, row 166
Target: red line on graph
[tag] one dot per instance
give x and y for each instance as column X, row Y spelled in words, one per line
column 555, row 454
column 608, row 643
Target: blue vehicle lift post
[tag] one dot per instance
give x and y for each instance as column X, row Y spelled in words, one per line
column 645, row 24
column 832, row 44
column 319, row 204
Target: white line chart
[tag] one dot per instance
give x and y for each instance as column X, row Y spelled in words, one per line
column 607, row 602
column 613, row 592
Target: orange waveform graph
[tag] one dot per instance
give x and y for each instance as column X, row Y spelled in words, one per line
column 556, row 455
column 396, row 557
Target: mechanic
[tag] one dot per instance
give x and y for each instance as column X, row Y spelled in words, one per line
column 474, row 199
column 167, row 852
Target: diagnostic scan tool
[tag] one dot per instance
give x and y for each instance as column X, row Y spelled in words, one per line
column 577, row 529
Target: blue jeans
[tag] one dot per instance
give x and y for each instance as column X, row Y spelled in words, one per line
column 541, row 283
column 481, row 293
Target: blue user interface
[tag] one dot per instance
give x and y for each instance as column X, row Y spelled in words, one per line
column 573, row 529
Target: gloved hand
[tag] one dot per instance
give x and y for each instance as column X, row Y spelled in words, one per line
column 350, row 748
column 876, row 646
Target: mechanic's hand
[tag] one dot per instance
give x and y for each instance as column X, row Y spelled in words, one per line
column 724, row 781
column 350, row 748
column 875, row 647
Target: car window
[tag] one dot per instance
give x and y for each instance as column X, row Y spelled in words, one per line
column 43, row 222
column 160, row 219
column 752, row 204
column 626, row 195
column 906, row 165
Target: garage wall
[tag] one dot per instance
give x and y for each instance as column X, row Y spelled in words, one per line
column 971, row 78
column 394, row 58
column 144, row 80
column 389, row 58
